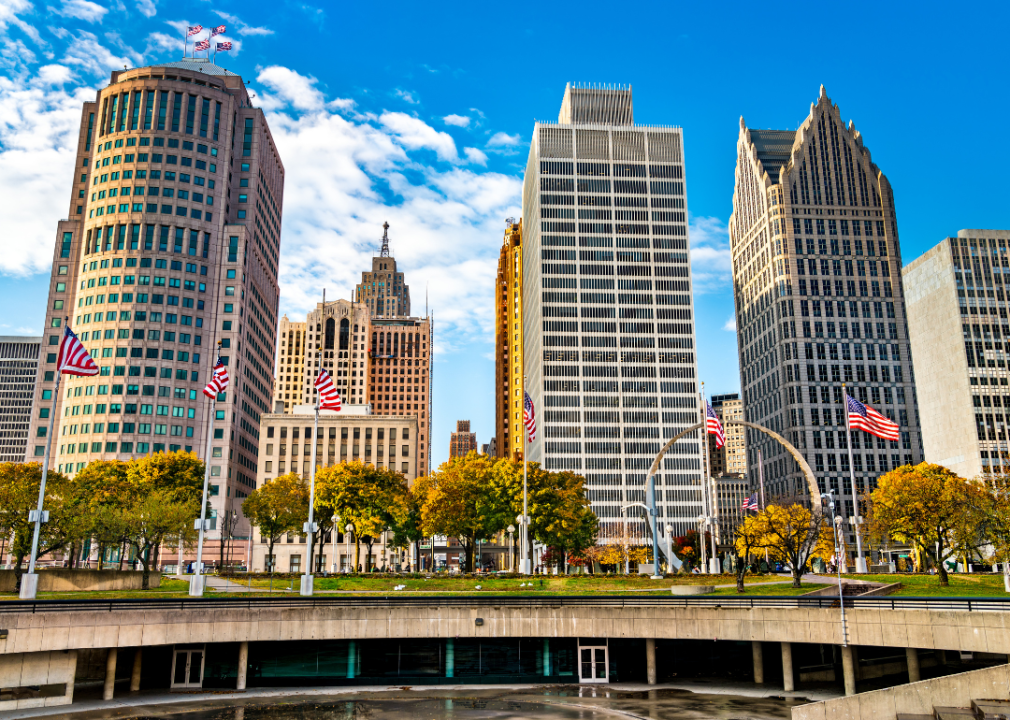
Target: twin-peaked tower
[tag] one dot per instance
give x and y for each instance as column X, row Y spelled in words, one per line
column 819, row 302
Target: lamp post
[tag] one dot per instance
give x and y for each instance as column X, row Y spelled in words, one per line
column 348, row 529
column 836, row 523
column 512, row 563
column 668, row 529
column 336, row 531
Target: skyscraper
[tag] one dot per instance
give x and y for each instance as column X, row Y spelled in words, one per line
column 817, row 284
column 19, row 365
column 462, row 441
column 608, row 332
column 957, row 324
column 290, row 365
column 382, row 289
column 508, row 357
column 171, row 246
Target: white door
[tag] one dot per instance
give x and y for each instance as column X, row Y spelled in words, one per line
column 187, row 666
column 593, row 664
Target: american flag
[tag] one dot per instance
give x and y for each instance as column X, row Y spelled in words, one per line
column 217, row 31
column 218, row 381
column 329, row 397
column 529, row 418
column 750, row 503
column 221, row 47
column 714, row 426
column 194, row 29
column 73, row 359
column 202, row 45
column 863, row 417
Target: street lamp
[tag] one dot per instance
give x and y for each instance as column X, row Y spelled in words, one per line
column 668, row 529
column 836, row 523
column 335, row 529
column 348, row 529
column 512, row 563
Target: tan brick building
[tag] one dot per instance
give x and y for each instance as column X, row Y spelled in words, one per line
column 354, row 433
column 462, row 441
column 383, row 289
column 288, row 388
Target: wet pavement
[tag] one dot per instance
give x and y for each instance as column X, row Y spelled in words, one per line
column 434, row 703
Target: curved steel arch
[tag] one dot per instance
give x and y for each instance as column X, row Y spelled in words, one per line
column 815, row 491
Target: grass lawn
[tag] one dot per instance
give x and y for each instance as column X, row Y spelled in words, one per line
column 961, row 585
column 785, row 588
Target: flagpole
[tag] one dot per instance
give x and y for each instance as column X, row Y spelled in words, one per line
column 710, row 484
column 196, row 584
column 30, row 581
column 860, row 560
column 307, row 579
column 526, row 565
column 704, row 481
column 761, row 482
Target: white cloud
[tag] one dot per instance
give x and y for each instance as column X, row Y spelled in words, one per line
column 82, row 10
column 414, row 134
column 730, row 324
column 501, row 139
column 408, row 96
column 290, row 88
column 711, row 265
column 147, row 8
column 9, row 11
column 39, row 123
column 457, row 120
column 475, row 156
column 242, row 28
column 86, row 52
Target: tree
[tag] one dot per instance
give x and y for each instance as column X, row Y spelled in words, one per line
column 153, row 517
column 457, row 500
column 747, row 537
column 179, row 473
column 790, row 534
column 19, row 494
column 924, row 505
column 106, row 490
column 372, row 499
column 277, row 507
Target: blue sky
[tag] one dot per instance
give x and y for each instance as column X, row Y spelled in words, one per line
column 421, row 114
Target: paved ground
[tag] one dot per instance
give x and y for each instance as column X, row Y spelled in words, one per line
column 692, row 699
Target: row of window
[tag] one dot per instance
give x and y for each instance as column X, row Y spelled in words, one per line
column 142, row 448
column 139, row 190
column 126, row 158
column 841, row 462
column 355, row 433
column 138, row 316
column 142, row 175
column 157, row 142
column 810, row 267
column 119, row 114
column 608, row 284
column 180, row 211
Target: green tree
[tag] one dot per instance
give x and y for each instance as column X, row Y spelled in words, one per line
column 19, row 494
column 457, row 500
column 277, row 507
column 153, row 517
column 106, row 491
column 372, row 499
column 928, row 507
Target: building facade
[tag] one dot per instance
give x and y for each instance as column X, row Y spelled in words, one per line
column 462, row 441
column 289, row 387
column 19, row 365
column 382, row 289
column 353, row 434
column 336, row 340
column 731, row 458
column 608, row 331
column 171, row 247
column 730, row 493
column 509, row 435
column 819, row 303
column 957, row 324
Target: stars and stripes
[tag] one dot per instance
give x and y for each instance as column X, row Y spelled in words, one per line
column 329, row 396
column 714, row 426
column 529, row 417
column 194, row 30
column 218, row 381
column 863, row 417
column 219, row 30
column 750, row 503
column 73, row 359
column 221, row 47
column 202, row 45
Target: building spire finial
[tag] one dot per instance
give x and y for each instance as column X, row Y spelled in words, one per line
column 385, row 240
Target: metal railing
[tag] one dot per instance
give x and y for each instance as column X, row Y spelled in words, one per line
column 729, row 602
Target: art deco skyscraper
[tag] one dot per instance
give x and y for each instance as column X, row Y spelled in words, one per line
column 509, row 435
column 382, row 289
column 608, row 327
column 171, row 245
column 817, row 285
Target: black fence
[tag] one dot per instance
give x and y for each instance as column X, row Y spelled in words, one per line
column 974, row 604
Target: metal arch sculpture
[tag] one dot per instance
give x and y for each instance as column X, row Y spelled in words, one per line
column 815, row 491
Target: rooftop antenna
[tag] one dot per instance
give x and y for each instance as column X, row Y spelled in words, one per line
column 385, row 240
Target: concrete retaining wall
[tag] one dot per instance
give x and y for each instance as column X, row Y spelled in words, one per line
column 65, row 580
column 915, row 698
column 50, row 672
